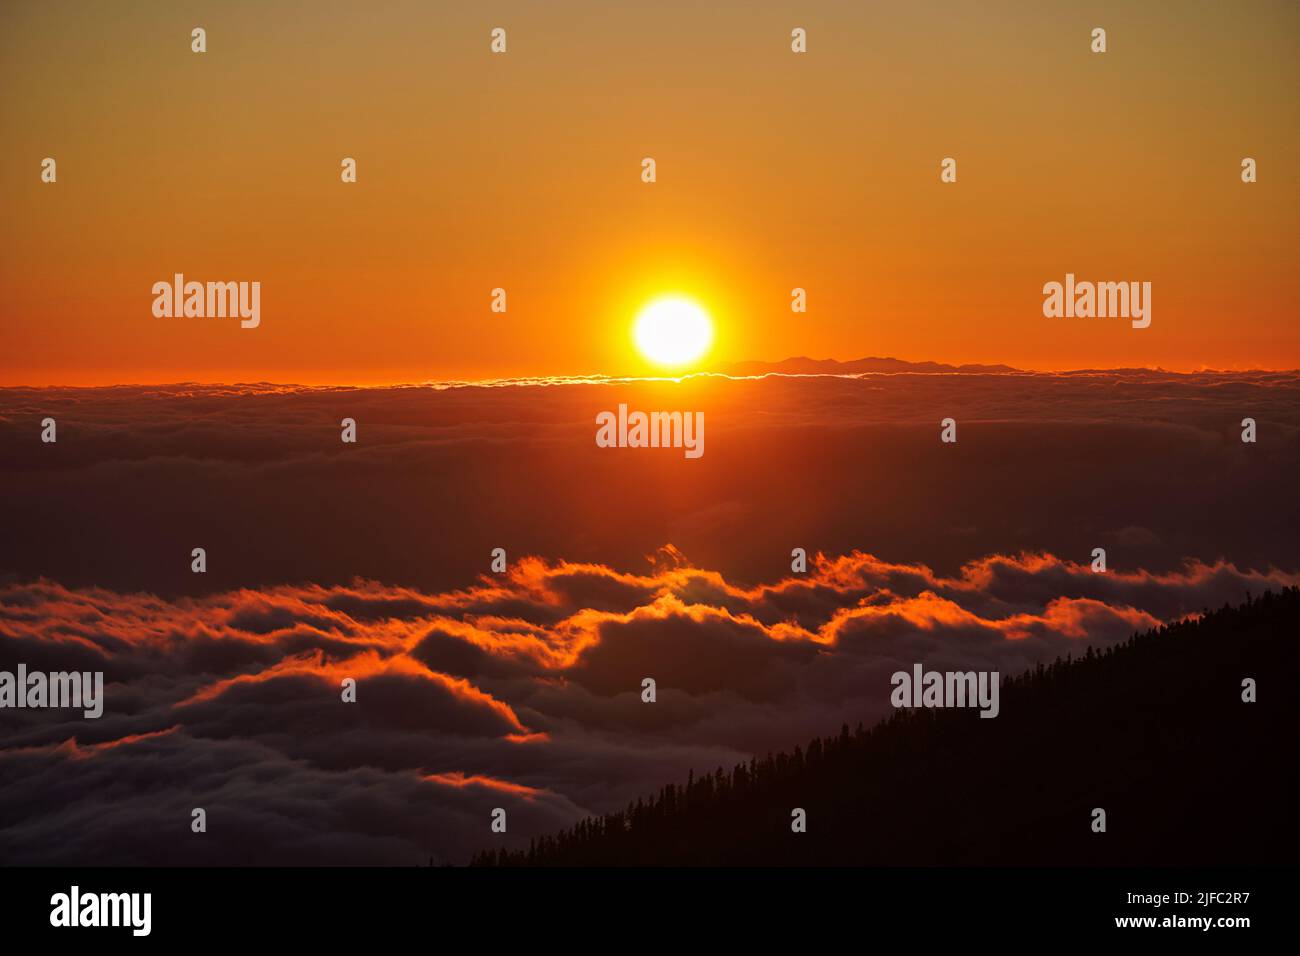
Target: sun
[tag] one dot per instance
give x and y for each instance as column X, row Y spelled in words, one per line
column 673, row 331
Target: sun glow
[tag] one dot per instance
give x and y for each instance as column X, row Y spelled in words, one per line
column 673, row 331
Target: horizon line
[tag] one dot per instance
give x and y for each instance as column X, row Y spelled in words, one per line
column 725, row 370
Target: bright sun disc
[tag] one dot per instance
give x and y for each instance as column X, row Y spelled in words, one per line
column 673, row 331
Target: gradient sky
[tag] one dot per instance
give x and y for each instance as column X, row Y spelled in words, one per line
column 522, row 171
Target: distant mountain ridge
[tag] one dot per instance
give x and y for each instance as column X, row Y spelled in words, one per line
column 802, row 365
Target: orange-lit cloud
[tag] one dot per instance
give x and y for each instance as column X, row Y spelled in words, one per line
column 458, row 779
column 520, row 691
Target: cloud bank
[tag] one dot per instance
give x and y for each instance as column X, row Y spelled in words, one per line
column 1148, row 465
column 520, row 691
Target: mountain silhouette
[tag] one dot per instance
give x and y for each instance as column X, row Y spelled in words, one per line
column 1154, row 731
column 802, row 365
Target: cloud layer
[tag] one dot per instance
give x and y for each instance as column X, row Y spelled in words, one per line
column 1148, row 465
column 521, row 691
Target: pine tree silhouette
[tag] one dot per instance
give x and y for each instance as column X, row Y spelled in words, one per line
column 1153, row 730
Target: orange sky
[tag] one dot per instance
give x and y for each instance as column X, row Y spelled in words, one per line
column 775, row 170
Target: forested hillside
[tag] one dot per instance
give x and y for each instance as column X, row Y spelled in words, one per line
column 1154, row 731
